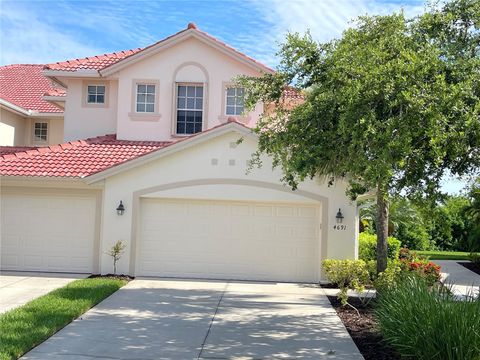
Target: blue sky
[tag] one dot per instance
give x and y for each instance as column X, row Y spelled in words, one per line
column 49, row 31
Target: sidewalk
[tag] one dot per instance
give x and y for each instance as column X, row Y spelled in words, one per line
column 462, row 281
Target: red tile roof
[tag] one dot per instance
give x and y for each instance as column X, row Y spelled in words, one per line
column 24, row 85
column 292, row 93
column 76, row 159
column 101, row 62
column 4, row 150
column 56, row 92
column 97, row 62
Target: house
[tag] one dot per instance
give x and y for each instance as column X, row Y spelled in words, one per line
column 31, row 107
column 151, row 156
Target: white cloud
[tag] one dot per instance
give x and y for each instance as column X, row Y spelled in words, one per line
column 27, row 39
column 326, row 19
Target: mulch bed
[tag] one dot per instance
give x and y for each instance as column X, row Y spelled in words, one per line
column 363, row 330
column 471, row 266
column 112, row 276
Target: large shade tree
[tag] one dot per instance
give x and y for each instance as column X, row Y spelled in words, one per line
column 390, row 106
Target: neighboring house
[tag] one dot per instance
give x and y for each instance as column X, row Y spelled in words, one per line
column 31, row 107
column 161, row 127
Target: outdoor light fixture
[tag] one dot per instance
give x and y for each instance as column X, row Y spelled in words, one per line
column 120, row 208
column 339, row 216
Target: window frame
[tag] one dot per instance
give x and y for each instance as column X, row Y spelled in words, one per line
column 223, row 117
column 235, row 106
column 86, row 84
column 96, row 94
column 34, row 130
column 144, row 116
column 176, row 109
column 146, row 94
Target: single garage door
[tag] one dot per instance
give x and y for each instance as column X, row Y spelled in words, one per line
column 229, row 240
column 47, row 233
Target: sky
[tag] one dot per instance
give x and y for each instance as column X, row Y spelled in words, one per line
column 40, row 32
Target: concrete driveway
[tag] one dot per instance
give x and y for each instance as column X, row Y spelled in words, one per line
column 165, row 319
column 18, row 288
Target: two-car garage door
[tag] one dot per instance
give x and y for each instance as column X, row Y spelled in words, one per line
column 229, row 240
column 47, row 232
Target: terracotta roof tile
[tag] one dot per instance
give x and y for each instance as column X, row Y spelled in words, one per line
column 24, row 86
column 97, row 62
column 76, row 159
column 101, row 62
column 4, row 150
column 56, row 92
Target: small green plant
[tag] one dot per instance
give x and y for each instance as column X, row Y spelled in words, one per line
column 116, row 252
column 368, row 247
column 424, row 322
column 347, row 275
column 475, row 258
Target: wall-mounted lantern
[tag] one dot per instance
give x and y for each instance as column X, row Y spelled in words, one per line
column 120, row 208
column 339, row 216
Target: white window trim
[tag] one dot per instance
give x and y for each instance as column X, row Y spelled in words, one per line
column 223, row 117
column 96, row 94
column 86, row 84
column 34, row 140
column 175, row 109
column 145, row 116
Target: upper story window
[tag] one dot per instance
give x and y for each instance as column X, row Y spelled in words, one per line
column 234, row 101
column 145, row 98
column 96, row 94
column 189, row 109
column 40, row 132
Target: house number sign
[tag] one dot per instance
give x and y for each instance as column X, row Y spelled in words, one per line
column 339, row 227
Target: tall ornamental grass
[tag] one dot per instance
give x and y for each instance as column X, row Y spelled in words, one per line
column 428, row 323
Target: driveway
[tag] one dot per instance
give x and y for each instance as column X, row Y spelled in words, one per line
column 18, row 288
column 165, row 319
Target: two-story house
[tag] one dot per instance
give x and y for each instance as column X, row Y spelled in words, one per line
column 151, row 156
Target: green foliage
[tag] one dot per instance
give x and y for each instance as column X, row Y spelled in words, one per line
column 116, row 252
column 390, row 106
column 475, row 258
column 347, row 275
column 368, row 247
column 427, row 323
column 444, row 255
column 23, row 328
column 411, row 262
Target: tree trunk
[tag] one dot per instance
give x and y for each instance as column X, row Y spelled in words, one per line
column 382, row 228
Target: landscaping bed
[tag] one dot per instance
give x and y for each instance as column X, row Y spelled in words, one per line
column 471, row 266
column 23, row 328
column 363, row 329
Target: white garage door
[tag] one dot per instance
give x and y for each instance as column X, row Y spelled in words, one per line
column 47, row 233
column 229, row 240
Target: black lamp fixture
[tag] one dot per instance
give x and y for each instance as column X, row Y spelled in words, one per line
column 120, row 208
column 339, row 216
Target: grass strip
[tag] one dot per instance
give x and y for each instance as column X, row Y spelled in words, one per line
column 23, row 328
column 444, row 255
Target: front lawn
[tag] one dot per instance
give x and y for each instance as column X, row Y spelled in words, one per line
column 444, row 255
column 24, row 328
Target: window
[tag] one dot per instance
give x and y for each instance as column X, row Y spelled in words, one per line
column 189, row 109
column 96, row 94
column 234, row 103
column 145, row 98
column 40, row 132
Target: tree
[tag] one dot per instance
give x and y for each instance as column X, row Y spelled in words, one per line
column 116, row 252
column 386, row 106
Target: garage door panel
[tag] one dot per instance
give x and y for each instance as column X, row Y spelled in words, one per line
column 236, row 240
column 47, row 232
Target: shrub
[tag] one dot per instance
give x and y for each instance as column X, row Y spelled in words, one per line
column 347, row 275
column 475, row 258
column 427, row 323
column 368, row 247
column 411, row 262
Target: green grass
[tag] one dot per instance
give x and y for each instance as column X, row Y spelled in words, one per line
column 444, row 255
column 428, row 323
column 23, row 328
